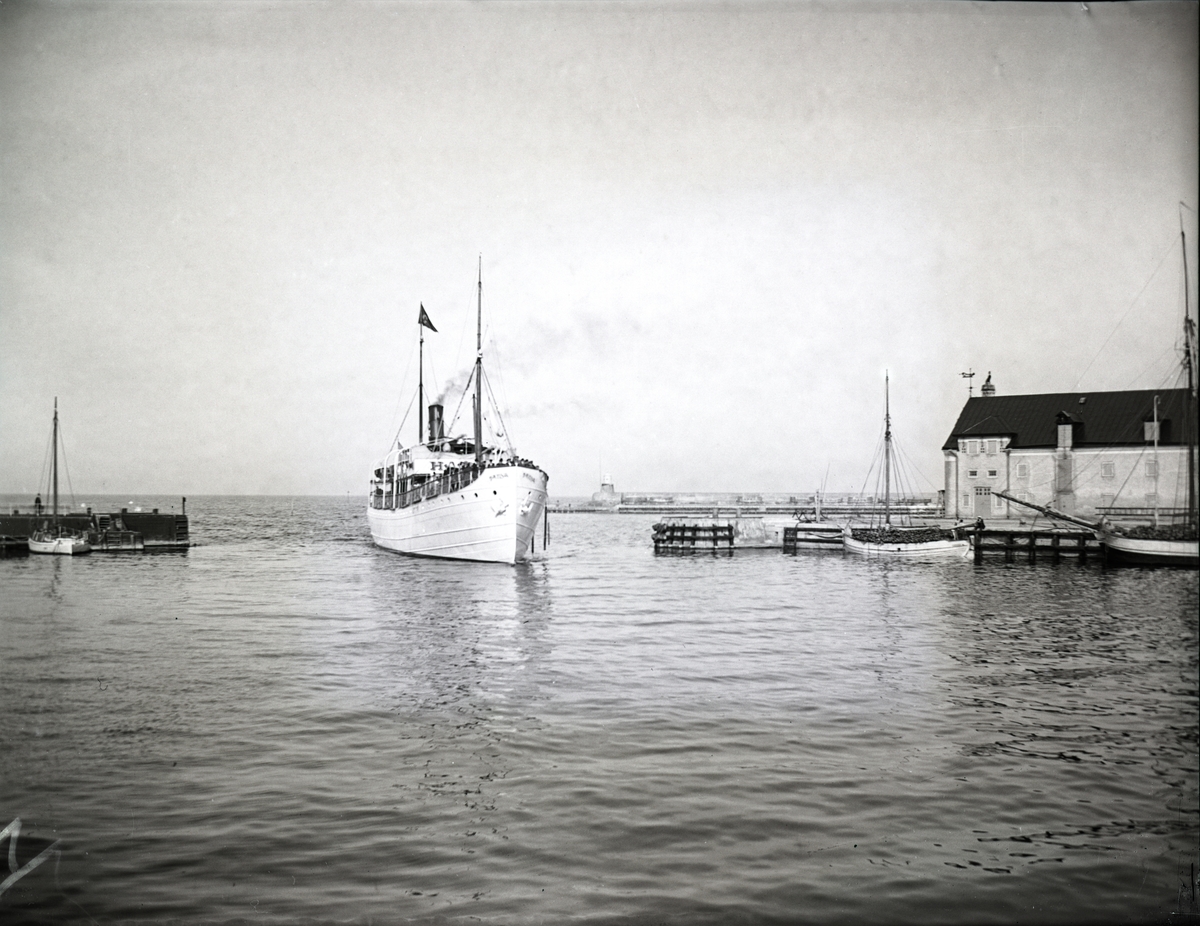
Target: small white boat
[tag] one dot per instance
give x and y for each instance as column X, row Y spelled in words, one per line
column 454, row 497
column 900, row 542
column 51, row 537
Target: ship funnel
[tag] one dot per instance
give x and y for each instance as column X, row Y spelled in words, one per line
column 435, row 423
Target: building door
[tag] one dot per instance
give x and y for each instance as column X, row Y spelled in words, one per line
column 983, row 501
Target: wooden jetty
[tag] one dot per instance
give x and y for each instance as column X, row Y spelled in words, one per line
column 812, row 536
column 1034, row 545
column 693, row 538
column 14, row 546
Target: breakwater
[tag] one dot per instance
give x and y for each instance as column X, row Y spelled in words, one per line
column 122, row 530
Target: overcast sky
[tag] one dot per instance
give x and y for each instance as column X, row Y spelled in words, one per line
column 707, row 230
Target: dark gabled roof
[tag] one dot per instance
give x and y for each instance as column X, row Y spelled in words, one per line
column 1104, row 418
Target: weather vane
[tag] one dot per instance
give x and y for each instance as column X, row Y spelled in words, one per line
column 968, row 376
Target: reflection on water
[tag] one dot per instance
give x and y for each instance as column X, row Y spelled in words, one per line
column 287, row 722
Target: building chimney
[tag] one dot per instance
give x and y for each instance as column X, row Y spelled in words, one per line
column 435, row 423
column 988, row 389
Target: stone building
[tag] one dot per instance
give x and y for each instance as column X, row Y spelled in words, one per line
column 1083, row 453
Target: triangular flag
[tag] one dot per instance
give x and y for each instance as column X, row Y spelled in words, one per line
column 423, row 319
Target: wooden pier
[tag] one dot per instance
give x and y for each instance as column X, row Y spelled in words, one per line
column 817, row 536
column 14, row 546
column 693, row 538
column 1035, row 545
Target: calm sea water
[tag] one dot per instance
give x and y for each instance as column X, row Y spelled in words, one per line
column 286, row 724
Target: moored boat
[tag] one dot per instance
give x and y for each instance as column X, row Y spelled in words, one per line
column 50, row 536
column 900, row 542
column 905, row 543
column 1150, row 551
column 1167, row 544
column 455, row 497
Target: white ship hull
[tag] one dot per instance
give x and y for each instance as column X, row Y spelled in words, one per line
column 931, row 549
column 492, row 520
column 1143, row 552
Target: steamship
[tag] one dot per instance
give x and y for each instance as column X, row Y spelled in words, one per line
column 455, row 497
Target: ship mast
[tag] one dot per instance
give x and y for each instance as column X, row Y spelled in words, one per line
column 887, row 454
column 421, row 378
column 54, row 460
column 479, row 367
column 1189, row 347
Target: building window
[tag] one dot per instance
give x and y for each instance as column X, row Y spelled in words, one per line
column 1022, row 470
column 966, row 501
column 983, row 490
column 993, row 446
column 991, row 473
column 972, row 473
column 972, row 446
column 1152, row 469
column 1106, row 501
column 997, row 503
column 1108, row 470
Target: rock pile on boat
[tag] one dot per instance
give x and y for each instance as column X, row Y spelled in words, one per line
column 900, row 534
column 1167, row 532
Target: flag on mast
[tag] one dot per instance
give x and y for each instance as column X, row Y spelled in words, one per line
column 423, row 319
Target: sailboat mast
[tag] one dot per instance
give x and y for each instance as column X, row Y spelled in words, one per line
column 479, row 367
column 1189, row 346
column 887, row 453
column 54, row 459
column 420, row 382
column 1156, row 461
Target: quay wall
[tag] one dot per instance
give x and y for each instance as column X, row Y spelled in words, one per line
column 158, row 530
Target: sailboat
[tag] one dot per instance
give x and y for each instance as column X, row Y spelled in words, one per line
column 1153, row 544
column 900, row 542
column 50, row 537
column 455, row 497
column 1177, row 544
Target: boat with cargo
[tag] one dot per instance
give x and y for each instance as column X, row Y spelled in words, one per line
column 896, row 541
column 1158, row 543
column 50, row 536
column 457, row 497
column 1165, row 540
